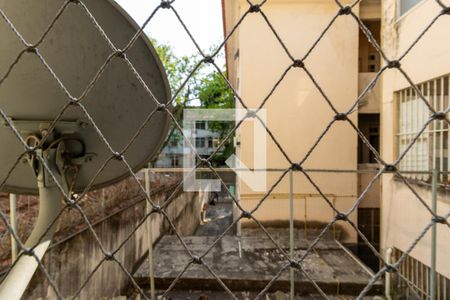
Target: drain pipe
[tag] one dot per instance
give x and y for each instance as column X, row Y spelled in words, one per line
column 432, row 285
column 291, row 232
column 388, row 278
column 148, row 209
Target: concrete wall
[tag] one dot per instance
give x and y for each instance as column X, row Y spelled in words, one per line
column 370, row 103
column 370, row 9
column 403, row 217
column 372, row 198
column 296, row 112
column 70, row 262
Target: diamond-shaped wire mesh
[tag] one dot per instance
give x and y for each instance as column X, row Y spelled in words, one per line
column 296, row 165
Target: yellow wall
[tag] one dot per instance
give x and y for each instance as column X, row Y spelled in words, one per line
column 403, row 216
column 297, row 114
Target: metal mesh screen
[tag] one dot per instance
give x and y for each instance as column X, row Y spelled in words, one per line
column 342, row 11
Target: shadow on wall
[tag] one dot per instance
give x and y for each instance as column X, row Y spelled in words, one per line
column 71, row 261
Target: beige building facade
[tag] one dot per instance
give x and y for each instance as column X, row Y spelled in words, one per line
column 297, row 111
column 343, row 63
column 403, row 115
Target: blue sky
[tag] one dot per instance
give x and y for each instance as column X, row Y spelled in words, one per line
column 202, row 17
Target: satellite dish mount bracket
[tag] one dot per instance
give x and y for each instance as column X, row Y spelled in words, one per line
column 51, row 163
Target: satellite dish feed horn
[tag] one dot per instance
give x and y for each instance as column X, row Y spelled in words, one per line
column 73, row 152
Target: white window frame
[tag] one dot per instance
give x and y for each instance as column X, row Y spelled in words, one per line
column 200, row 142
column 431, row 149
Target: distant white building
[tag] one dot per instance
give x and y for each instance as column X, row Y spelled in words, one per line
column 204, row 139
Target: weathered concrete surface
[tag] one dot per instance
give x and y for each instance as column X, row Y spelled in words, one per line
column 220, row 216
column 256, row 264
column 71, row 262
column 219, row 295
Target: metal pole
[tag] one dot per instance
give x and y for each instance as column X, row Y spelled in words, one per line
column 13, row 221
column 50, row 205
column 237, row 196
column 291, row 229
column 388, row 283
column 433, row 236
column 148, row 209
column 14, row 285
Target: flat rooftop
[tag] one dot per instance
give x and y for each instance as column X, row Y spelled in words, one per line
column 248, row 263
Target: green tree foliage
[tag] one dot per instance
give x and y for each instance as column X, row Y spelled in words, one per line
column 206, row 88
column 177, row 70
column 214, row 92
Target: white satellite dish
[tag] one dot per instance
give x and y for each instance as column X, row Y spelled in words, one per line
column 31, row 98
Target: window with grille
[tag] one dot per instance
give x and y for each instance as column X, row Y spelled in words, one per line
column 413, row 279
column 431, row 149
column 199, row 142
column 175, row 160
column 200, row 125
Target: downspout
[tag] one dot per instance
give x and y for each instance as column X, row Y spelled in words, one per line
column 388, row 278
column 433, row 285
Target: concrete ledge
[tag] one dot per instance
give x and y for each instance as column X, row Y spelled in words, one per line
column 249, row 263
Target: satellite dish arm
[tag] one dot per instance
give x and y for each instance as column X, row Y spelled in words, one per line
column 50, row 205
